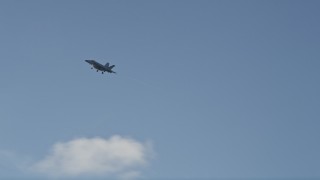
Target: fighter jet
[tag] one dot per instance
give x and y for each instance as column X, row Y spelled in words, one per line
column 100, row 67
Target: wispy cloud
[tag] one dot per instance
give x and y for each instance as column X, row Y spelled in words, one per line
column 117, row 157
column 13, row 164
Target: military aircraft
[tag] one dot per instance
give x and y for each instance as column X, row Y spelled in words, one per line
column 100, row 67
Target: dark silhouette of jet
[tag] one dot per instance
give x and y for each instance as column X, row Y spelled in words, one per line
column 100, row 67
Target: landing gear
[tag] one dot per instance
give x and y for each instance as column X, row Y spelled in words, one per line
column 97, row 70
column 91, row 67
column 102, row 72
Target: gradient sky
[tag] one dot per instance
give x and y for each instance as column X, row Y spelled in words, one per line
column 219, row 88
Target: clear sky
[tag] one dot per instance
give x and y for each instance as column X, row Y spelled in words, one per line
column 204, row 89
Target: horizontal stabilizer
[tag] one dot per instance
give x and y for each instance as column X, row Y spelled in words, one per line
column 112, row 66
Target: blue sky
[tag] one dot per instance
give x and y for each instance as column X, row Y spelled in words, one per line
column 204, row 89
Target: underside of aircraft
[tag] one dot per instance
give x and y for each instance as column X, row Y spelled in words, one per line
column 100, row 67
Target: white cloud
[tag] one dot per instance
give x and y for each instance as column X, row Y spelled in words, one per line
column 117, row 156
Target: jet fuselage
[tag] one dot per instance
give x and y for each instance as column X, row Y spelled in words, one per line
column 100, row 67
